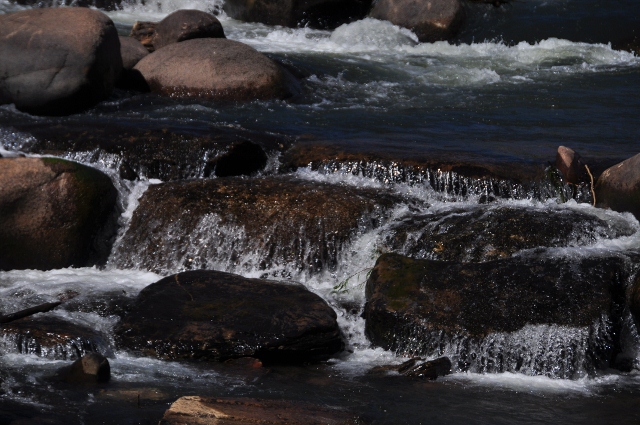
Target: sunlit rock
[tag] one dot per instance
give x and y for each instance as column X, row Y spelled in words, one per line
column 557, row 317
column 571, row 166
column 217, row 316
column 57, row 61
column 618, row 187
column 54, row 214
column 183, row 25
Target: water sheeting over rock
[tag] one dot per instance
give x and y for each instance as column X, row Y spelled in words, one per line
column 539, row 316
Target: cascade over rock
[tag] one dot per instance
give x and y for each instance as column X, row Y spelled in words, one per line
column 217, row 316
column 618, row 187
column 490, row 233
column 430, row 20
column 275, row 224
column 538, row 316
column 297, row 13
column 184, row 25
column 57, row 61
column 214, row 68
column 54, row 214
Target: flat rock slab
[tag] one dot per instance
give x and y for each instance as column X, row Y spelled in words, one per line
column 195, row 410
column 552, row 316
column 490, row 233
column 276, row 224
column 218, row 316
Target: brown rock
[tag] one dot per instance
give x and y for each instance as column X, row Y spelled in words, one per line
column 571, row 166
column 195, row 410
column 618, row 187
column 184, row 25
column 57, row 61
column 213, row 68
column 91, row 368
column 54, row 214
column 132, row 52
column 430, row 20
column 144, row 32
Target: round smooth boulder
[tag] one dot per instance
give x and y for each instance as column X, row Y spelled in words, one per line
column 132, row 52
column 54, row 214
column 618, row 187
column 430, row 20
column 184, row 25
column 57, row 61
column 213, row 68
column 218, row 316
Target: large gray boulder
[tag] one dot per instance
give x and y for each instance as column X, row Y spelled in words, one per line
column 217, row 316
column 618, row 187
column 57, row 61
column 54, row 214
column 185, row 24
column 213, row 68
column 430, row 20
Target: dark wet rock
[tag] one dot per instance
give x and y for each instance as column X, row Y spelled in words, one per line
column 186, row 24
column 196, row 410
column 92, row 368
column 431, row 20
column 485, row 234
column 213, row 68
column 57, row 61
column 144, row 32
column 538, row 316
column 618, row 187
column 166, row 154
column 54, row 214
column 419, row 368
column 273, row 224
column 217, row 316
column 571, row 166
column 52, row 338
column 132, row 51
column 634, row 299
column 104, row 304
column 292, row 13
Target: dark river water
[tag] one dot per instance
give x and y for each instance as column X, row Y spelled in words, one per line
column 518, row 81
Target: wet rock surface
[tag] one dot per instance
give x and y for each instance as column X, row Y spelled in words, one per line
column 571, row 166
column 491, row 233
column 418, row 368
column 185, row 24
column 271, row 224
column 54, row 214
column 166, row 154
column 498, row 316
column 618, row 187
column 217, row 316
column 52, row 338
column 91, row 368
column 57, row 61
column 213, row 68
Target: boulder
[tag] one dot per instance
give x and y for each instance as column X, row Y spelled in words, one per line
column 217, row 316
column 571, row 166
column 54, row 214
column 132, row 52
column 618, row 187
column 57, row 61
column 213, row 68
column 418, row 368
column 184, row 25
column 90, row 369
column 486, row 233
column 281, row 225
column 430, row 20
column 51, row 338
column 326, row 14
column 195, row 410
column 144, row 32
column 539, row 316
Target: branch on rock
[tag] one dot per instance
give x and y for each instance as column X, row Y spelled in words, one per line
column 42, row 308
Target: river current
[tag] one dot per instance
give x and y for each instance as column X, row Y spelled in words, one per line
column 520, row 80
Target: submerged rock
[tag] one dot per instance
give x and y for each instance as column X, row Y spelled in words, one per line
column 293, row 13
column 57, row 61
column 90, row 369
column 618, row 187
column 490, row 233
column 195, row 410
column 54, row 214
column 430, row 20
column 51, row 338
column 185, row 24
column 419, row 368
column 281, row 225
column 538, row 316
column 217, row 316
column 213, row 68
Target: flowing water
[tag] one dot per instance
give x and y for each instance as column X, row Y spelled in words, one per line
column 519, row 81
